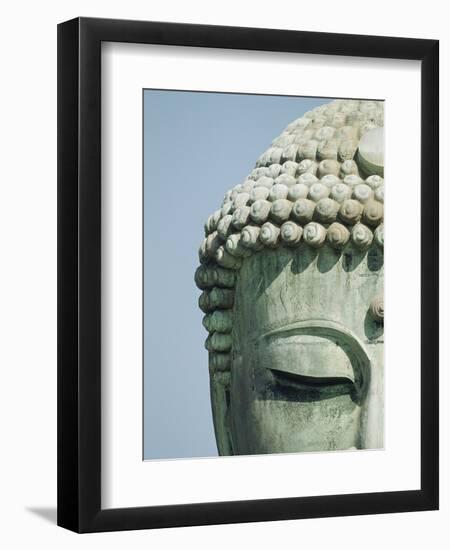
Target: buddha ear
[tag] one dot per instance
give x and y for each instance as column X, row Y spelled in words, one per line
column 220, row 403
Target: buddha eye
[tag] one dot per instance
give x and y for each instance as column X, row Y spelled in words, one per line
column 310, row 388
column 293, row 379
column 308, row 359
column 314, row 360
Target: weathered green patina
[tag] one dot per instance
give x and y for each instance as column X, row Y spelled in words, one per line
column 292, row 279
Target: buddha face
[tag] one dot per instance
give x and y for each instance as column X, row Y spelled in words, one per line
column 307, row 360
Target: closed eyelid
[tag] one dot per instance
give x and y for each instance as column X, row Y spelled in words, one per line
column 307, row 358
column 310, row 380
column 313, row 352
column 308, row 388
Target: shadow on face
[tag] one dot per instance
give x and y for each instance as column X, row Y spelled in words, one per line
column 302, row 375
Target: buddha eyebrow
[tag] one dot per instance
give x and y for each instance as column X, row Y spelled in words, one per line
column 313, row 327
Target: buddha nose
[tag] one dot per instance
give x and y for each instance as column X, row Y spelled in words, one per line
column 372, row 412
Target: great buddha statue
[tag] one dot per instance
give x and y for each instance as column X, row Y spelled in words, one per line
column 291, row 273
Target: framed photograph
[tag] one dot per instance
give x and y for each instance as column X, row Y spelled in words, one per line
column 223, row 354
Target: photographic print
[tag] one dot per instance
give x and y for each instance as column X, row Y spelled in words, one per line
column 268, row 338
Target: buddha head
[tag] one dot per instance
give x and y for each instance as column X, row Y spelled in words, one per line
column 291, row 273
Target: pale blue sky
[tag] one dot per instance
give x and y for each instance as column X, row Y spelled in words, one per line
column 196, row 146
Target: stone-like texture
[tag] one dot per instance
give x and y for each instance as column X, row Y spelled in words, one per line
column 292, row 279
column 304, row 317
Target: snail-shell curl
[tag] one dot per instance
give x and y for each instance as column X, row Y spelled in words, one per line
column 377, row 308
column 226, row 209
column 318, row 191
column 224, row 227
column 219, row 362
column 218, row 341
column 259, row 211
column 338, row 235
column 326, row 210
column 241, row 217
column 217, row 298
column 350, row 211
column 209, row 277
column 308, row 179
column 307, row 166
column 258, row 193
column 225, row 259
column 278, row 191
column 291, row 233
column 234, row 246
column 348, row 167
column 213, row 242
column 269, row 234
column 379, row 193
column 281, row 210
column 362, row 192
column 352, row 179
column 325, row 133
column 298, row 191
column 241, row 199
column 264, row 181
column 361, row 236
column 314, row 234
column 373, row 213
column 220, row 320
column 329, row 180
column 379, row 235
column 303, row 210
column 285, row 178
column 250, row 237
column 340, row 192
column 202, row 256
column 347, row 150
column 328, row 167
column 212, row 221
column 374, row 181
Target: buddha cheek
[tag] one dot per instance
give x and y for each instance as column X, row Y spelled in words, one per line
column 310, row 426
column 270, row 419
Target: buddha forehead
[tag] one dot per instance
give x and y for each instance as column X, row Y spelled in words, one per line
column 278, row 288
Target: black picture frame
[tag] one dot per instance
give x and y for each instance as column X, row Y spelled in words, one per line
column 79, row 274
